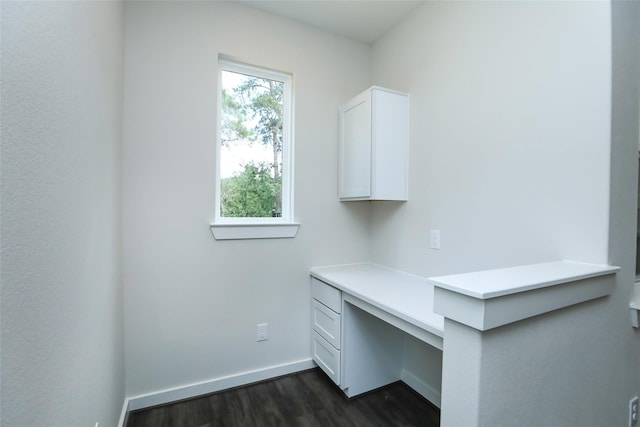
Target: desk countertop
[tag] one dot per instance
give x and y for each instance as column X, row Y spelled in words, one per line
column 407, row 296
column 507, row 281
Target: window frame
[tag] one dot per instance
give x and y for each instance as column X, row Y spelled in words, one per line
column 258, row 227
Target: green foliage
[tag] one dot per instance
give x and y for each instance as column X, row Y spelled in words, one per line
column 233, row 120
column 262, row 99
column 253, row 111
column 252, row 193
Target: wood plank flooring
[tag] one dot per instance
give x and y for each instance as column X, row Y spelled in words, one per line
column 304, row 399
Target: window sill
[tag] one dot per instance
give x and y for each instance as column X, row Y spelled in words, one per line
column 254, row 231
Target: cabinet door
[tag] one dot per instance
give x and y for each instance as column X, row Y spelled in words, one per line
column 355, row 148
column 326, row 294
column 326, row 356
column 326, row 322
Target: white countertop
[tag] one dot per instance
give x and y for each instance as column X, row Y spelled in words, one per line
column 491, row 298
column 406, row 296
column 506, row 281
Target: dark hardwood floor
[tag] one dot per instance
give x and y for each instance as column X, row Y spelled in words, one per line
column 307, row 398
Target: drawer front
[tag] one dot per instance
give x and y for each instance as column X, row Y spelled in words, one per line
column 326, row 322
column 326, row 294
column 326, row 356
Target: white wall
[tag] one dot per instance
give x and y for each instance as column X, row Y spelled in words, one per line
column 61, row 295
column 192, row 303
column 510, row 159
column 625, row 136
column 509, row 135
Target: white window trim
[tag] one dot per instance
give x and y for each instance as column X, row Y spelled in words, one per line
column 224, row 228
column 254, row 231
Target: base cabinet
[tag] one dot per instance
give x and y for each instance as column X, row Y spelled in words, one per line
column 361, row 336
column 326, row 325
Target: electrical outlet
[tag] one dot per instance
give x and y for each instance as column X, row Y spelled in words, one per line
column 261, row 332
column 633, row 412
column 434, row 239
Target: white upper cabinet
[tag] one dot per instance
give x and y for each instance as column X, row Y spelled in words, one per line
column 374, row 146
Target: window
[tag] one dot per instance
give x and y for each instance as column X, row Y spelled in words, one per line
column 254, row 153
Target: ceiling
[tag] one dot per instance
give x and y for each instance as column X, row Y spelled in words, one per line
column 363, row 20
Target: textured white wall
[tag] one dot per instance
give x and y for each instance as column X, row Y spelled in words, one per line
column 625, row 135
column 510, row 107
column 510, row 159
column 61, row 295
column 192, row 303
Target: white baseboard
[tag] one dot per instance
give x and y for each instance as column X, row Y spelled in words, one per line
column 124, row 413
column 421, row 388
column 192, row 390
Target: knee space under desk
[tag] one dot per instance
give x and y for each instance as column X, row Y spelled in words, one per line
column 373, row 352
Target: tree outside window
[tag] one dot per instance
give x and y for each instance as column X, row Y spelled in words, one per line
column 254, row 140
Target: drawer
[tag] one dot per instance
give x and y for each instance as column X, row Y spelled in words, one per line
column 326, row 322
column 326, row 294
column 326, row 356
